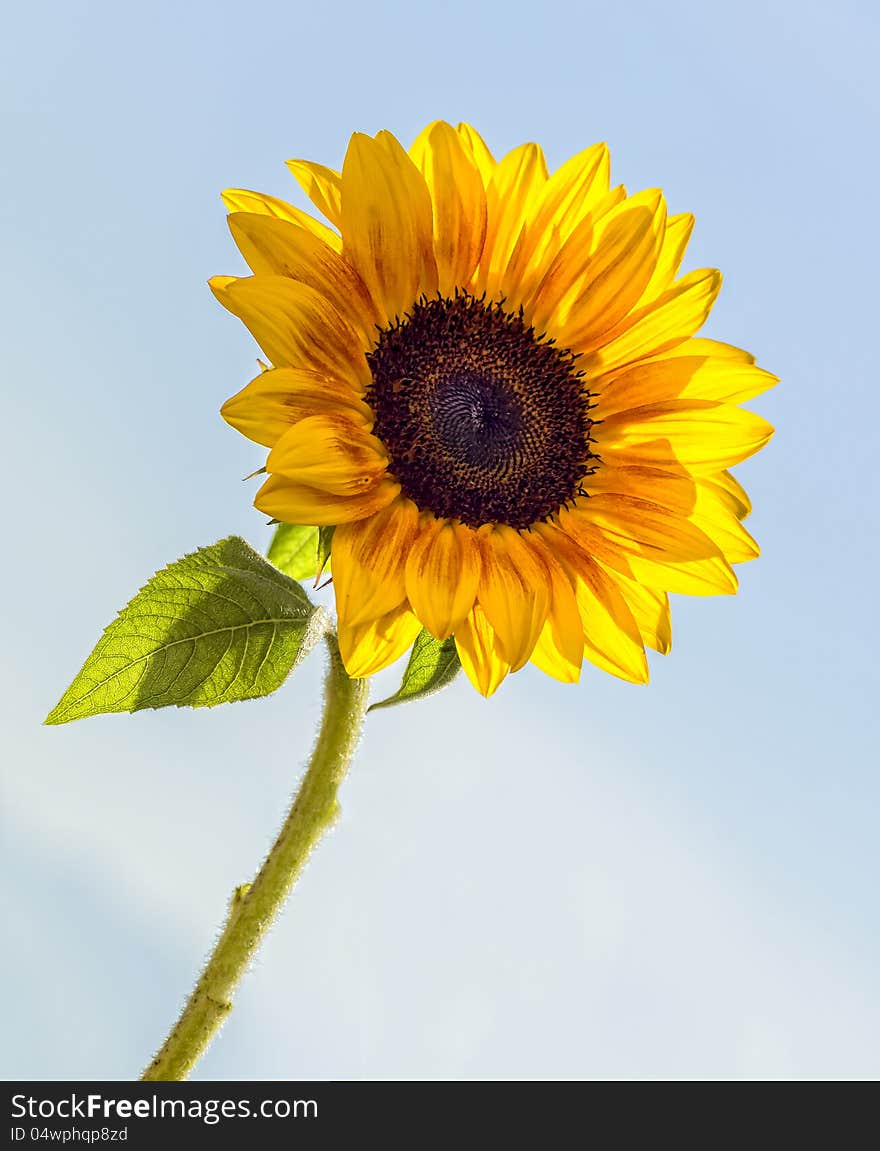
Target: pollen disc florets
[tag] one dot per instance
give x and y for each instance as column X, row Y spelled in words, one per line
column 485, row 421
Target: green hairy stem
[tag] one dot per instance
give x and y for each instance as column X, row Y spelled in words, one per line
column 254, row 906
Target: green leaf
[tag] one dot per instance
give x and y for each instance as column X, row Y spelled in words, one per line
column 432, row 665
column 219, row 625
column 294, row 549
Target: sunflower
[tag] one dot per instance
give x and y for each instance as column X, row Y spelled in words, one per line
column 486, row 378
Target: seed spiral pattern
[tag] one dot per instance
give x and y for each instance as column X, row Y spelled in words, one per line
column 484, row 420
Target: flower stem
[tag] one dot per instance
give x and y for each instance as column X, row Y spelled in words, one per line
column 254, row 906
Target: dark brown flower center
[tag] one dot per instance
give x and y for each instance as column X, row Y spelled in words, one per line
column 484, row 420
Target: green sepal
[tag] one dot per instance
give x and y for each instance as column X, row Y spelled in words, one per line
column 433, row 664
column 218, row 625
column 325, row 540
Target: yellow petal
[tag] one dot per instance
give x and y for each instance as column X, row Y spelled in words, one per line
column 650, row 610
column 241, row 200
column 553, row 282
column 514, row 592
column 714, row 515
column 674, row 316
column 294, row 503
column 275, row 247
column 559, row 278
column 459, row 200
column 480, row 653
column 510, row 200
column 569, row 195
column 476, row 145
column 609, row 281
column 387, row 228
column 322, row 185
column 700, row 346
column 701, row 435
column 331, row 453
column 369, row 647
column 711, row 576
column 672, row 489
column 295, row 326
column 731, row 491
column 265, row 409
column 678, row 378
column 708, row 506
column 612, row 640
column 559, row 651
column 638, row 527
column 607, row 203
column 369, row 560
column 442, row 575
column 675, row 240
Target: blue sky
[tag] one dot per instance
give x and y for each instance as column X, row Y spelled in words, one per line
column 600, row 881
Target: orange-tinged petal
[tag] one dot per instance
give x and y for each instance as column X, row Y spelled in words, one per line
column 588, row 536
column 674, row 316
column 265, row 409
column 612, row 640
column 369, row 561
column 712, row 576
column 709, row 507
column 613, row 276
column 672, row 489
column 559, row 278
column 219, row 285
column 387, row 228
column 656, row 381
column 637, row 527
column 331, row 453
column 553, row 282
column 369, row 647
column 241, row 200
column 275, row 247
column 295, row 326
column 480, row 652
column 322, row 185
column 559, row 651
column 514, row 592
column 459, row 200
column 294, row 503
column 443, row 574
column 701, row 435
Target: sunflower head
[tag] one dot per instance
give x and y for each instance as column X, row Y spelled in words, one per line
column 486, row 378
